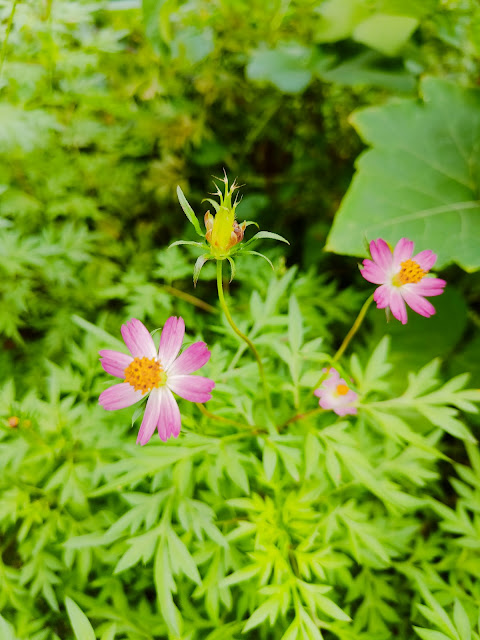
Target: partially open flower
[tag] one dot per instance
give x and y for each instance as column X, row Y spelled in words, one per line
column 403, row 278
column 223, row 237
column 146, row 372
column 335, row 394
column 223, row 234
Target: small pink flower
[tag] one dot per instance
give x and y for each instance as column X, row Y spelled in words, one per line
column 402, row 278
column 335, row 394
column 146, row 371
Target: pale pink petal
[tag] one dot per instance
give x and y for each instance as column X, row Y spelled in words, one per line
column 373, row 273
column 345, row 410
column 169, row 421
column 428, row 287
column 119, row 396
column 193, row 388
column 138, row 340
column 351, row 396
column 382, row 296
column 381, row 253
column 150, row 417
column 397, row 305
column 191, row 359
column 325, row 401
column 426, row 259
column 418, row 303
column 171, row 341
column 115, row 362
column 403, row 251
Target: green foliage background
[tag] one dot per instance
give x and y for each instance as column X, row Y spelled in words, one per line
column 326, row 528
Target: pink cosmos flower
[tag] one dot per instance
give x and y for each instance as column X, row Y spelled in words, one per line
column 402, row 278
column 147, row 372
column 335, row 394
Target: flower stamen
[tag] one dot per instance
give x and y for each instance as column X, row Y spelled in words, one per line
column 342, row 389
column 410, row 272
column 144, row 374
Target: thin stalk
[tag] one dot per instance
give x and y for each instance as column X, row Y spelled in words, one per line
column 197, row 302
column 246, row 339
column 355, row 327
column 214, row 416
column 301, row 416
column 341, row 350
column 346, row 341
column 3, row 52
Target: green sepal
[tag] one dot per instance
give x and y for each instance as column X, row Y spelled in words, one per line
column 196, row 244
column 265, row 234
column 214, row 204
column 233, row 268
column 198, row 266
column 189, row 212
column 247, row 223
column 257, row 253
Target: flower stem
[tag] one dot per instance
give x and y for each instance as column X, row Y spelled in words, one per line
column 214, row 416
column 346, row 341
column 301, row 416
column 241, row 335
column 355, row 327
column 3, row 51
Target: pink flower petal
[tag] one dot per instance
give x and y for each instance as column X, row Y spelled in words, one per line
column 417, row 303
column 325, row 402
column 191, row 359
column 381, row 253
column 119, row 396
column 403, row 251
column 343, row 411
column 397, row 305
column 426, row 259
column 150, row 417
column 373, row 273
column 115, row 362
column 138, row 340
column 428, row 287
column 382, row 296
column 171, row 341
column 169, row 421
column 193, row 388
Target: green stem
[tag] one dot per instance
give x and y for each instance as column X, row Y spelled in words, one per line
column 346, row 341
column 354, row 329
column 301, row 416
column 241, row 335
column 3, row 52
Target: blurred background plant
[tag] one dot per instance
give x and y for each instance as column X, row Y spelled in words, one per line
column 106, row 108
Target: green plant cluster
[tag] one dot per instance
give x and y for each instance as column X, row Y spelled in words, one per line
column 300, row 526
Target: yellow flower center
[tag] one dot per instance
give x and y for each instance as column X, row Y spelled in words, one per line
column 410, row 272
column 144, row 374
column 342, row 389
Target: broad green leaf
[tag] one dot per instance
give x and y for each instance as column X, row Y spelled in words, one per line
column 421, row 178
column 287, row 67
column 80, row 624
column 386, row 33
column 338, row 19
column 368, row 68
